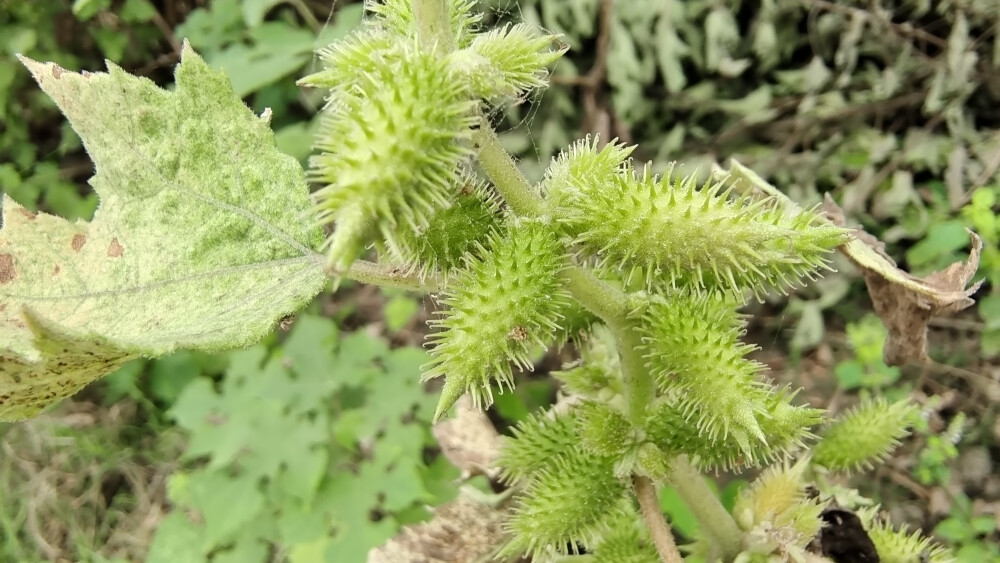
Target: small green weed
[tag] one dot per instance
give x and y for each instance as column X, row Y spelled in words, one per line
column 314, row 450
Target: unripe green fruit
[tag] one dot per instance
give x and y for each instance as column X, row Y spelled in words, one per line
column 603, row 430
column 498, row 306
column 864, row 435
column 626, row 542
column 670, row 233
column 692, row 348
column 506, row 62
column 536, row 443
column 391, row 146
column 574, row 500
column 462, row 228
column 898, row 545
column 396, row 17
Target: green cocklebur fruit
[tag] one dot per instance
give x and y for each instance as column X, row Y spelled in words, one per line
column 864, row 435
column 898, row 545
column 500, row 304
column 553, row 513
column 597, row 375
column 464, row 227
column 345, row 61
column 776, row 513
column 397, row 17
column 627, row 541
column 604, row 430
column 584, row 166
column 390, row 150
column 691, row 346
column 785, row 425
column 536, row 442
column 569, row 503
column 671, row 233
column 507, row 62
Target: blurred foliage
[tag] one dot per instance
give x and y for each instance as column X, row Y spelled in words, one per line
column 83, row 483
column 325, row 433
column 867, row 370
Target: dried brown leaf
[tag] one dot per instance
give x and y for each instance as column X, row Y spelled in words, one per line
column 904, row 302
column 465, row 530
column 469, row 440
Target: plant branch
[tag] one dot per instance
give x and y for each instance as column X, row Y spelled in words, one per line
column 504, row 173
column 715, row 520
column 659, row 530
column 434, row 25
column 392, row 276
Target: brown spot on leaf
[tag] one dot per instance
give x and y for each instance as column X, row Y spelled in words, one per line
column 7, row 271
column 56, row 270
column 78, row 242
column 27, row 213
column 115, row 249
column 904, row 302
column 57, row 71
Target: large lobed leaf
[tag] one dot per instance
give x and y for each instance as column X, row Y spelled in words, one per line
column 199, row 241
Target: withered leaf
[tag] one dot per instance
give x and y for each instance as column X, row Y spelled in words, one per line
column 904, row 302
column 465, row 530
column 469, row 440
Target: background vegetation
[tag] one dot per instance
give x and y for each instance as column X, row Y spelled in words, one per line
column 319, row 448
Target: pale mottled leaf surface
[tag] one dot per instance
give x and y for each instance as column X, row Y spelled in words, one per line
column 199, row 241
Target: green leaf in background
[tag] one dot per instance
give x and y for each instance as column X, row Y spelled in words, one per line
column 296, row 139
column 86, row 9
column 137, row 11
column 254, row 10
column 209, row 29
column 399, row 310
column 313, row 438
column 679, row 515
column 345, row 20
column 809, row 329
column 938, row 247
column 170, row 375
column 225, row 504
column 989, row 312
column 177, row 539
column 198, row 242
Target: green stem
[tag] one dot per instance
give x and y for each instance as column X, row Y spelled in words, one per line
column 506, row 176
column 433, row 18
column 603, row 299
column 387, row 275
column 639, row 385
column 715, row 520
column 659, row 530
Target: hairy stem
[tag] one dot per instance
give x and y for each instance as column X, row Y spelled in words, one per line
column 659, row 530
column 639, row 385
column 602, row 299
column 500, row 167
column 434, row 25
column 715, row 520
column 391, row 276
